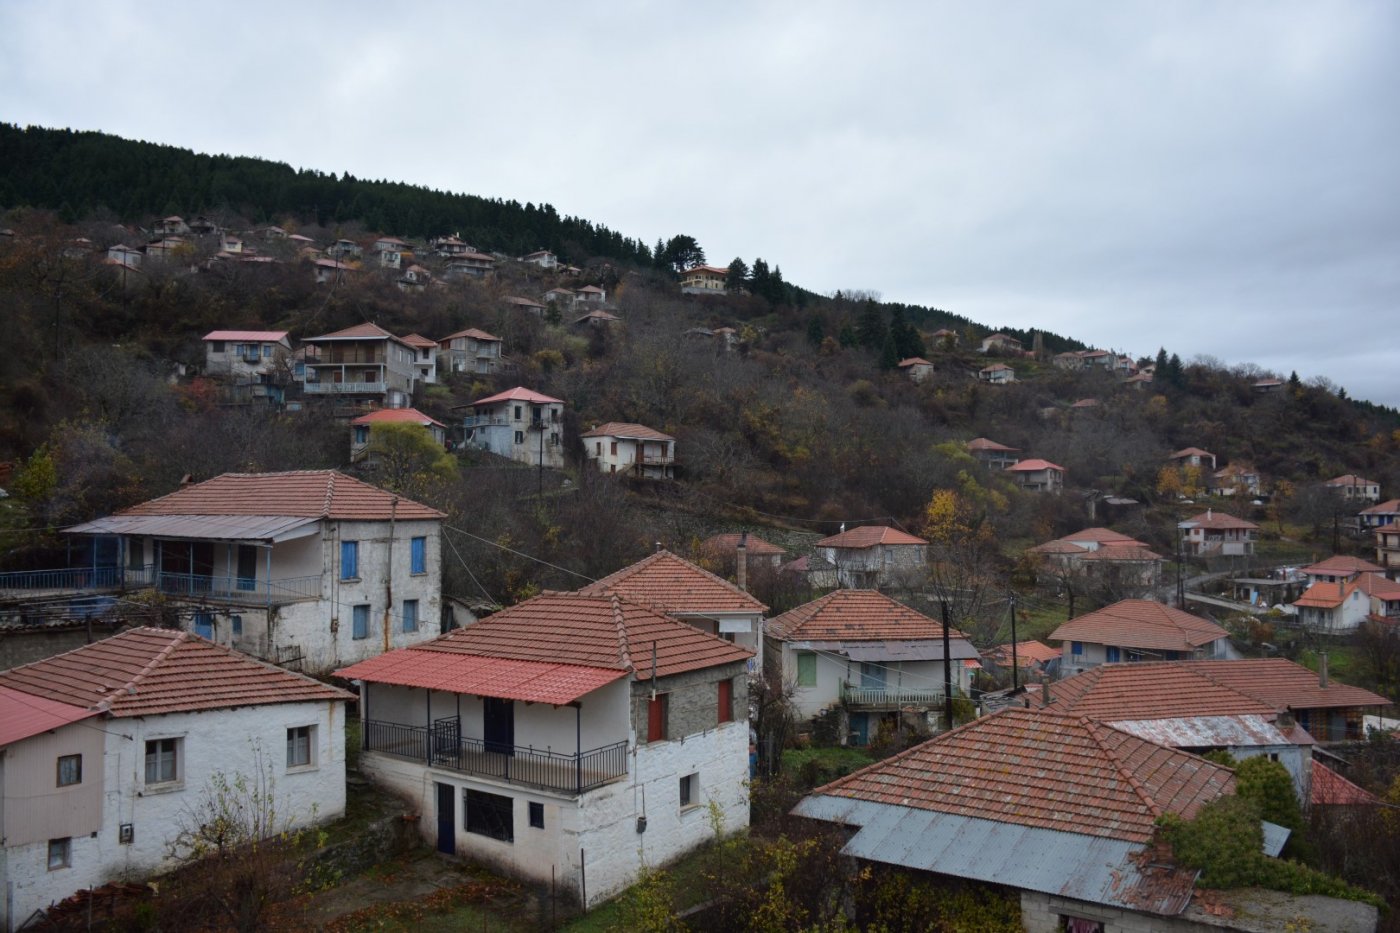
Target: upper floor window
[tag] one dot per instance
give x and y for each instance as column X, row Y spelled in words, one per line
column 359, row 616
column 410, row 615
column 216, row 346
column 163, row 761
column 656, row 718
column 349, row 560
column 418, row 555
column 70, row 770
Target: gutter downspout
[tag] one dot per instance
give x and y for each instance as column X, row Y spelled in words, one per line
column 389, row 573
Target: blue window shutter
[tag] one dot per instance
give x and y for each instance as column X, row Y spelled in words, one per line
column 349, row 560
column 361, row 622
column 1112, row 653
column 410, row 615
column 418, row 555
column 1076, row 647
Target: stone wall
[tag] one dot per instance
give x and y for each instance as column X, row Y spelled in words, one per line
column 692, row 700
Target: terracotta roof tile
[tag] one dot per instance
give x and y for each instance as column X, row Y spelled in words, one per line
column 868, row 536
column 505, row 679
column 728, row 544
column 272, row 336
column 418, row 340
column 518, row 394
column 389, row 415
column 148, row 671
column 1155, row 690
column 675, row 585
column 1042, row 770
column 301, row 493
column 982, row 443
column 1331, row 789
column 628, row 430
column 1350, row 479
column 366, row 331
column 1030, row 466
column 1324, row 595
column 1340, row 565
column 856, row 615
column 1283, row 683
column 1191, row 452
column 1218, row 521
column 1141, row 623
column 1028, row 653
column 1388, row 507
column 472, row 332
column 23, row 715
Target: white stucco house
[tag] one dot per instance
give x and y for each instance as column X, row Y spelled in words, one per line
column 105, row 749
column 519, row 424
column 1133, row 630
column 425, row 355
column 1213, row 534
column 470, row 351
column 309, row 568
column 869, row 655
column 570, row 739
column 362, row 428
column 622, row 447
column 872, row 556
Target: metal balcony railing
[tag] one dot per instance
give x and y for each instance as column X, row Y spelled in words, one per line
column 559, row 771
column 239, row 589
column 344, row 388
column 889, row 697
column 76, row 578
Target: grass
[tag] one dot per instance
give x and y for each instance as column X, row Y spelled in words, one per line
column 820, row 765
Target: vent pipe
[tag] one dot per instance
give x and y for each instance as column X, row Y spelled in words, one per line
column 1322, row 670
column 741, row 562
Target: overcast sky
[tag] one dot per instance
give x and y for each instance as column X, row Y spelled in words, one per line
column 1218, row 178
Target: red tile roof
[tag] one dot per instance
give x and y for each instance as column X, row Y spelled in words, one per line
column 1218, row 521
column 1285, row 684
column 1341, row 565
column 1191, row 452
column 1324, row 595
column 561, row 642
column 384, row 415
column 1124, row 552
column 259, row 335
column 982, row 443
column 418, row 340
column 868, row 536
column 1388, row 507
column 914, row 361
column 729, row 544
column 1141, row 623
column 472, row 332
column 326, row 494
column 364, row 331
column 628, row 430
column 149, row 671
column 1101, row 536
column 1053, row 772
column 675, row 585
column 856, row 615
column 518, row 394
column 23, row 715
column 1030, row 466
column 1350, row 479
column 1156, row 690
column 1331, row 789
column 1378, row 585
column 1028, row 653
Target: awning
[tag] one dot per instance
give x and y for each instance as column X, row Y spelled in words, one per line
column 253, row 528
column 23, row 715
column 922, row 649
column 475, row 675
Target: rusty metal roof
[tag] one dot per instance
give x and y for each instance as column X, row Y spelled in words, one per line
column 1210, row 731
column 271, row 528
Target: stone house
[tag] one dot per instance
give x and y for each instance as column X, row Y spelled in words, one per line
column 872, row 556
column 519, row 424
column 635, row 449
column 1134, row 630
column 364, row 365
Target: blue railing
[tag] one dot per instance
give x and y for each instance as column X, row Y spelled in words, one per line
column 560, row 771
column 239, row 589
column 76, row 578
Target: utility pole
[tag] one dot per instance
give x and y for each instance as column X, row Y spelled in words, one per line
column 1015, row 662
column 947, row 670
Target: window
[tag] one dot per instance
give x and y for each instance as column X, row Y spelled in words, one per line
column 236, row 623
column 598, row 448
column 349, row 560
column 360, row 621
column 418, row 555
column 218, row 346
column 1076, row 647
column 612, row 448
column 690, row 791
column 162, row 761
column 519, row 437
column 267, row 351
column 410, row 615
column 536, row 815
column 60, row 853
column 301, row 746
column 489, row 815
column 656, row 718
column 726, row 701
column 70, row 770
column 554, row 439
column 361, row 434
column 1112, row 654
column 806, row 669
column 517, row 412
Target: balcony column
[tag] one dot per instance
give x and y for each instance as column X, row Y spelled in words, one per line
column 578, row 746
column 268, row 582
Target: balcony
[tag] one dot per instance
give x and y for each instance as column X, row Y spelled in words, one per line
column 243, row 590
column 549, row 770
column 345, row 388
column 483, row 421
column 888, row 697
column 70, row 579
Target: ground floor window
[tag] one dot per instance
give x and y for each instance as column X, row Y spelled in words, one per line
column 690, row 791
column 536, row 815
column 60, row 853
column 489, row 815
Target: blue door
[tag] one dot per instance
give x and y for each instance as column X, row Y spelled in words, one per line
column 498, row 725
column 204, row 625
column 860, row 728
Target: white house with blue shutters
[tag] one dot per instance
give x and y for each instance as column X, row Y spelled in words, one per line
column 310, row 569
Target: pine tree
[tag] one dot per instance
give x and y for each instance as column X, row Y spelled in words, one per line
column 815, row 331
column 1162, row 362
column 889, row 354
column 870, row 330
column 737, row 278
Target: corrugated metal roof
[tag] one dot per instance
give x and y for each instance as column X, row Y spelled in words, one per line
column 928, row 649
column 1207, row 731
column 272, row 528
column 1275, row 837
column 23, row 715
column 501, row 678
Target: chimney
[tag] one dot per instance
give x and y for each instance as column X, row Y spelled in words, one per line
column 1045, row 698
column 658, row 547
column 1322, row 670
column 741, row 562
column 1208, row 511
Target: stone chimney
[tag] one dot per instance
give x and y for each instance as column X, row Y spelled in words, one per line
column 1045, row 698
column 1322, row 670
column 741, row 562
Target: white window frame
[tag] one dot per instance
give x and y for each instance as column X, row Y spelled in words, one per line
column 177, row 780
column 63, row 849
column 301, row 748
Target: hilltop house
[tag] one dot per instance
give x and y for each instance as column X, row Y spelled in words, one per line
column 107, row 751
column 365, row 365
column 997, row 374
column 1137, row 630
column 917, row 368
column 1034, row 656
column 1355, row 488
column 724, row 548
column 250, row 363
column 704, row 280
column 635, row 449
column 872, row 556
column 1336, row 606
column 995, row 456
column 468, row 265
column 570, row 739
column 542, row 258
column 692, row 595
column 870, row 658
column 519, row 424
column 361, row 429
column 1213, row 534
column 945, row 339
column 297, row 568
column 1388, row 545
column 1236, row 479
column 1108, row 555
column 526, row 305
column 1383, row 513
column 471, row 351
column 424, row 358
column 1037, row 475
column 1339, row 568
column 1193, row 456
column 1062, row 810
column 1000, row 343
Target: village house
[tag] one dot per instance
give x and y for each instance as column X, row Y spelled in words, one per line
column 997, row 374
column 693, row 595
column 1384, row 594
column 542, row 258
column 519, row 424
column 424, row 358
column 525, row 304
column 310, row 568
column 414, row 279
column 361, row 430
column 1267, row 386
column 872, row 556
column 468, row 265
column 1033, row 656
column 1339, row 605
column 559, row 297
column 128, row 257
column 596, row 318
column 993, row 455
column 330, row 271
column 344, row 249
column 570, row 739
column 449, row 246
column 1060, row 809
column 1388, row 546
column 1000, row 343
column 364, row 365
column 812, row 570
column 167, row 249
column 1339, row 568
column 107, row 752
column 1112, row 558
column 633, row 449
column 1135, row 630
column 1037, row 475
column 945, row 339
column 869, row 658
column 1193, row 456
column 724, row 549
column 251, row 362
column 1383, row 513
column 1235, row 479
column 173, row 225
column 1355, row 488
column 1214, row 534
column 203, row 226
column 917, row 368
column 471, row 351
column 704, row 280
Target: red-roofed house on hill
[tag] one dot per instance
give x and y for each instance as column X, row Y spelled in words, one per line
column 917, row 368
column 1112, row 559
column 571, row 737
column 364, row 364
column 361, row 429
column 871, row 556
column 867, row 656
column 424, row 358
column 1333, row 608
column 1059, row 809
column 995, row 456
column 635, row 449
column 519, row 424
column 108, row 749
column 1214, row 534
column 1137, row 630
column 471, row 351
column 1382, row 513
column 249, row 364
column 1037, row 475
column 704, row 280
column 298, row 568
column 1355, row 488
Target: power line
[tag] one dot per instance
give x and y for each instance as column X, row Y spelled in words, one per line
column 510, row 550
